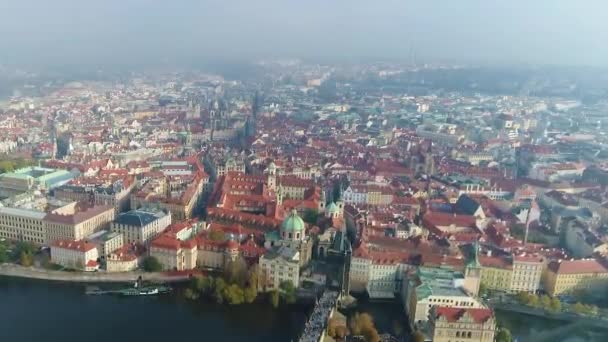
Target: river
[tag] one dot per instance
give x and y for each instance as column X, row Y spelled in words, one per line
column 32, row 310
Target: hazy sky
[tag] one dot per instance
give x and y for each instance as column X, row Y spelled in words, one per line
column 573, row 32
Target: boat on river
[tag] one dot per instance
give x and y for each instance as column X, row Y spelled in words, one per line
column 136, row 290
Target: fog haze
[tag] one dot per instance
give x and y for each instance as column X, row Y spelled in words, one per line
column 64, row 32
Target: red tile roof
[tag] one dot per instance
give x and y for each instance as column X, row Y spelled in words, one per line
column 452, row 315
column 583, row 266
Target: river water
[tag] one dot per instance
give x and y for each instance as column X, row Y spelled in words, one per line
column 32, row 310
column 54, row 312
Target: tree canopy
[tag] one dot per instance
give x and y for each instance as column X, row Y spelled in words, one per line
column 151, row 264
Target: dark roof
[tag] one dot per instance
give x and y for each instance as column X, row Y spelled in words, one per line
column 466, row 205
column 137, row 218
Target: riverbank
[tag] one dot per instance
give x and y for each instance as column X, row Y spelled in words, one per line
column 12, row 270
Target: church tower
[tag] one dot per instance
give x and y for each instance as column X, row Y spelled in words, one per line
column 271, row 176
column 472, row 273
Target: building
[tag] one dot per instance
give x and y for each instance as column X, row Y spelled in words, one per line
column 23, row 225
column 293, row 235
column 567, row 276
column 431, row 287
column 514, row 273
column 174, row 254
column 141, row 226
column 32, row 178
column 449, row 324
column 279, row 265
column 527, row 273
column 106, row 242
column 77, row 221
column 79, row 255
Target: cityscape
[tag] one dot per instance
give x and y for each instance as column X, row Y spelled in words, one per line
column 303, row 199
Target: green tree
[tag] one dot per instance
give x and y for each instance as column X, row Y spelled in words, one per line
column 233, row 294
column 504, row 335
column 579, row 308
column 218, row 291
column 288, row 292
column 534, row 301
column 250, row 293
column 555, row 305
column 3, row 253
column 274, row 298
column 236, row 272
column 26, row 259
column 545, row 302
column 417, row 336
column 523, row 297
column 151, row 264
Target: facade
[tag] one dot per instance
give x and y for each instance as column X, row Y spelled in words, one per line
column 141, row 226
column 433, row 287
column 527, row 273
column 77, row 222
column 174, row 254
column 78, row 255
column 106, row 242
column 567, row 276
column 279, row 265
column 293, row 236
column 22, row 225
column 450, row 324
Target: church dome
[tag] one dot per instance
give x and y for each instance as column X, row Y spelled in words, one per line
column 332, row 208
column 293, row 223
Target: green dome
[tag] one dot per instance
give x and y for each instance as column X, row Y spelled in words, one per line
column 332, row 208
column 293, row 223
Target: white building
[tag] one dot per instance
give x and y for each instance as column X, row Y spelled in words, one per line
column 22, row 225
column 78, row 255
column 279, row 265
column 141, row 226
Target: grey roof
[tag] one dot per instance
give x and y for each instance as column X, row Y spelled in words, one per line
column 137, row 218
column 32, row 214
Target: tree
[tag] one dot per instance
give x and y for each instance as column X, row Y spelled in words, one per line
column 250, row 294
column 218, row 292
column 26, row 259
column 236, row 272
column 233, row 294
column 523, row 297
column 555, row 305
column 274, row 298
column 362, row 324
column 151, row 264
column 3, row 253
column 288, row 291
column 417, row 336
column 579, row 308
column 331, row 327
column 545, row 302
column 534, row 301
column 504, row 335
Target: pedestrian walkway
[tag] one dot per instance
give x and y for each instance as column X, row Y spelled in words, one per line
column 318, row 319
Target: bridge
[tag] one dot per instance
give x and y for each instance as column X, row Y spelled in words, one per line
column 317, row 322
